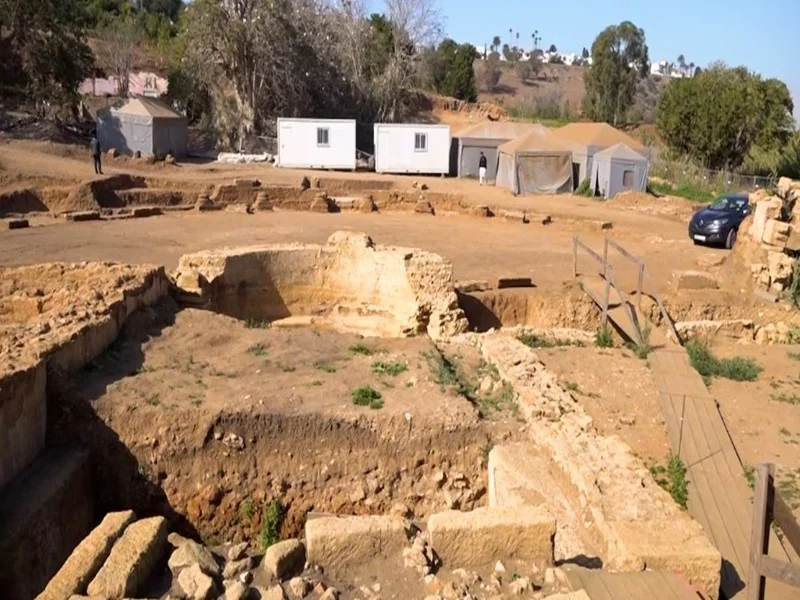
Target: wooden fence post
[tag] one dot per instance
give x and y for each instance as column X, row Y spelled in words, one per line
column 759, row 539
column 575, row 257
column 605, row 261
column 639, row 286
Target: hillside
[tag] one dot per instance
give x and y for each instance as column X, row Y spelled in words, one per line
column 561, row 83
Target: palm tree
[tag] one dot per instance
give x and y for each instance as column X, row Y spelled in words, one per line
column 682, row 64
column 533, row 41
column 495, row 43
column 536, row 39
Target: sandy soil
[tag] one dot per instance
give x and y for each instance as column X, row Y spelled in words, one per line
column 764, row 416
column 617, row 390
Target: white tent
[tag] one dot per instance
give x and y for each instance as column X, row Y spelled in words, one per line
column 618, row 169
column 486, row 137
column 147, row 125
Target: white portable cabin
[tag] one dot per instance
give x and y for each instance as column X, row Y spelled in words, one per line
column 317, row 144
column 410, row 148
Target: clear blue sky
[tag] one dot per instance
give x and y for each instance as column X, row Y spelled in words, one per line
column 763, row 35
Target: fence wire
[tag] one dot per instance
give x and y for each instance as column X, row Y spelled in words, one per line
column 721, row 181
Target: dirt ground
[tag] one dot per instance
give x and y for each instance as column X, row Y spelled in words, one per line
column 764, row 416
column 617, row 390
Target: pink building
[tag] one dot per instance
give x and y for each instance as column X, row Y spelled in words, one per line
column 139, row 84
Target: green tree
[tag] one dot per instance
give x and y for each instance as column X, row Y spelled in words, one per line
column 717, row 117
column 43, row 49
column 452, row 71
column 619, row 60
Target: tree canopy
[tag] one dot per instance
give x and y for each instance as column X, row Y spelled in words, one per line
column 619, row 60
column 451, row 71
column 718, row 116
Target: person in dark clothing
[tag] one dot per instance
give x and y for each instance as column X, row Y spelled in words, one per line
column 94, row 146
column 482, row 168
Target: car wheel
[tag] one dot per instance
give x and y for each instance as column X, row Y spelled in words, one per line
column 731, row 239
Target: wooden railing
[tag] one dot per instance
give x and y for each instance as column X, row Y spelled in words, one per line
column 644, row 277
column 768, row 505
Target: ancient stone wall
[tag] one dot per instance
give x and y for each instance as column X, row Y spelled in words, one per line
column 350, row 282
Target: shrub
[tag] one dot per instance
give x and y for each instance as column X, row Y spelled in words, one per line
column 256, row 324
column 367, row 396
column 794, row 291
column 673, row 480
column 708, row 365
column 643, row 348
column 271, row 528
column 324, row 366
column 389, row 368
column 604, row 338
column 584, row 189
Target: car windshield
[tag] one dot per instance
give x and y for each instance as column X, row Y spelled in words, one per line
column 729, row 203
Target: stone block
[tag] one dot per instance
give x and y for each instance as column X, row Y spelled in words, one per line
column 423, row 207
column 320, row 204
column 83, row 215
column 86, row 560
column 513, row 282
column 784, row 186
column 237, row 207
column 578, row 595
column 485, row 535
column 776, row 233
column 765, row 210
column 16, row 223
column 472, row 285
column 195, row 584
column 366, row 204
column 793, row 239
column 480, row 211
column 347, row 542
column 780, row 267
column 674, row 546
column 131, row 560
column 188, row 553
column 284, row 559
column 695, row 280
column 139, row 212
column 515, row 215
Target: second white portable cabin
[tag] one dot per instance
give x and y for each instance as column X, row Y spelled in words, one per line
column 410, row 148
column 317, row 143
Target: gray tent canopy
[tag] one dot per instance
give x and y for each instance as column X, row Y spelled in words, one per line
column 535, row 164
column 146, row 125
column 619, row 169
column 486, row 137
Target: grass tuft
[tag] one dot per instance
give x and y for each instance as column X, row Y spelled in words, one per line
column 324, row 366
column 367, row 396
column 362, row 349
column 271, row 528
column 389, row 368
column 672, row 478
column 792, row 399
column 794, row 355
column 257, row 324
column 258, row 350
column 708, row 365
column 604, row 338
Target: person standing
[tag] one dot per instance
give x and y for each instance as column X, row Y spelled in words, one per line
column 94, row 146
column 482, row 168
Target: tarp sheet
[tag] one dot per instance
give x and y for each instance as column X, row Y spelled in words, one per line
column 544, row 173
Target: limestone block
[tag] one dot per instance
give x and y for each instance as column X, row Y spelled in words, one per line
column 765, row 210
column 757, row 196
column 423, row 207
column 320, row 204
column 472, row 285
column 486, row 535
column 203, row 203
column 16, row 223
column 695, row 280
column 784, row 186
column 780, row 267
column 139, row 212
column 83, row 215
column 341, row 543
column 776, row 233
column 793, row 240
column 262, row 202
column 579, row 595
column 131, row 560
column 480, row 210
column 195, row 584
column 677, row 546
column 513, row 282
column 366, row 204
column 189, row 553
column 515, row 215
column 237, row 207
column 84, row 562
column 284, row 559
column 236, row 591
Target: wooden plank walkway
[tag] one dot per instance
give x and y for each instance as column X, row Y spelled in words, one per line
column 719, row 496
column 638, row 585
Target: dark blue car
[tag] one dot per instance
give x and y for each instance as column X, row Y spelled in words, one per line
column 719, row 222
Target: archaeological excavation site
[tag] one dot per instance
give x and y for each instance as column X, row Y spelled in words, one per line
column 363, row 388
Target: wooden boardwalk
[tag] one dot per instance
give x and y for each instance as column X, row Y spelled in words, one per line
column 719, row 496
column 640, row 585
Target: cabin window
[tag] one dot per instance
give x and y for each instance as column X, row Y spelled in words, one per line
column 627, row 179
column 420, row 142
column 323, row 136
